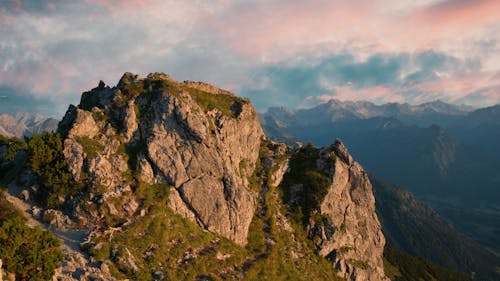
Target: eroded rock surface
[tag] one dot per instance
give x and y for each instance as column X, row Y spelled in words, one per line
column 351, row 235
column 332, row 195
column 169, row 133
column 152, row 143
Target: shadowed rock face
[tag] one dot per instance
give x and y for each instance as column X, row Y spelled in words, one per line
column 180, row 136
column 341, row 221
column 358, row 244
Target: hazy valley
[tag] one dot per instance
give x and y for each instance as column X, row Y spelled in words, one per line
column 442, row 153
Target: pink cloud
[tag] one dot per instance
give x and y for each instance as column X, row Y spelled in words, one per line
column 286, row 24
column 51, row 6
column 285, row 28
column 456, row 14
column 456, row 89
column 113, row 4
column 348, row 92
column 7, row 21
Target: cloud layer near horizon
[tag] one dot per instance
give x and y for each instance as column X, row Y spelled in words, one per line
column 289, row 53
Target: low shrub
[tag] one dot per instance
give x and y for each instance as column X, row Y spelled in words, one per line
column 29, row 253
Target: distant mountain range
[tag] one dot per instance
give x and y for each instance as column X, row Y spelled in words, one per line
column 275, row 202
column 336, row 111
column 26, row 124
column 446, row 155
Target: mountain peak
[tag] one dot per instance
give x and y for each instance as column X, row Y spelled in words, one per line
column 128, row 78
column 181, row 165
column 25, row 124
column 188, row 135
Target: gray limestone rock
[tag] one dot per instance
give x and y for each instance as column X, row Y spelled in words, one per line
column 73, row 152
column 350, row 232
column 170, row 136
column 84, row 125
column 130, row 125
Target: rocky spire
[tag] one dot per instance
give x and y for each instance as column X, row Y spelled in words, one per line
column 351, row 234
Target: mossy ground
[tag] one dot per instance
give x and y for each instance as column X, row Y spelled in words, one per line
column 225, row 103
column 290, row 255
column 91, row 147
column 156, row 85
column 164, row 241
column 315, row 183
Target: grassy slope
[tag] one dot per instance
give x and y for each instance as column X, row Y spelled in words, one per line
column 164, row 241
column 399, row 266
column 414, row 228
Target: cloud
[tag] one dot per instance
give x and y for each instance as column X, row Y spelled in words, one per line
column 29, row 6
column 274, row 30
column 273, row 51
column 405, row 77
column 16, row 100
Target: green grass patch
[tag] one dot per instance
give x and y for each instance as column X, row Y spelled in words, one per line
column 358, row 263
column 303, row 170
column 100, row 116
column 345, row 249
column 399, row 266
column 288, row 258
column 90, row 146
column 227, row 104
column 163, row 241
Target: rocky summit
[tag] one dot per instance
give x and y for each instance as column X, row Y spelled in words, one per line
column 200, row 140
column 175, row 180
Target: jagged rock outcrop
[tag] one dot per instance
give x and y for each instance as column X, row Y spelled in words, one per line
column 169, row 133
column 358, row 244
column 149, row 144
column 335, row 197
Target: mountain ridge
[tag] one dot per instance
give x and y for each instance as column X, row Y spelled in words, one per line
column 25, row 124
column 156, row 154
column 451, row 165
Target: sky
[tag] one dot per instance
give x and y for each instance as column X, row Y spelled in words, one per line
column 276, row 52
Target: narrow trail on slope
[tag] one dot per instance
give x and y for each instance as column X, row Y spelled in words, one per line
column 76, row 262
column 70, row 238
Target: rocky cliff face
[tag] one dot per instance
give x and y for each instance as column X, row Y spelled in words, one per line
column 358, row 244
column 340, row 217
column 201, row 141
column 152, row 144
